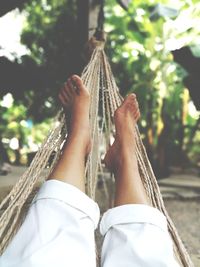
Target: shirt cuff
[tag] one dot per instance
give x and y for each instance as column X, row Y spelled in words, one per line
column 70, row 195
column 132, row 213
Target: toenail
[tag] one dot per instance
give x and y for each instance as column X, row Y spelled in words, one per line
column 74, row 77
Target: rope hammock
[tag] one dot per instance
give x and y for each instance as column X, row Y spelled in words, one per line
column 105, row 98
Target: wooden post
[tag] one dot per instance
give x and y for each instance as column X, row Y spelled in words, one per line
column 87, row 23
column 87, row 19
column 93, row 15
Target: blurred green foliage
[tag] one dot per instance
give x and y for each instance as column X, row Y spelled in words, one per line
column 138, row 46
column 18, row 133
column 142, row 62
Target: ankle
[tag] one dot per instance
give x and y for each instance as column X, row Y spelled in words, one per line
column 78, row 142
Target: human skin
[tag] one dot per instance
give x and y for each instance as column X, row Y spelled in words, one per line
column 121, row 156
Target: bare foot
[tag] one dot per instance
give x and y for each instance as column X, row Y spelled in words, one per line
column 125, row 118
column 121, row 157
column 76, row 101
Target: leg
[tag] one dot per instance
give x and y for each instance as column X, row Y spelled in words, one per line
column 59, row 228
column 70, row 168
column 121, row 157
column 135, row 233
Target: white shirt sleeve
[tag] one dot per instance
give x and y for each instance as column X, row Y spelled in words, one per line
column 136, row 235
column 58, row 230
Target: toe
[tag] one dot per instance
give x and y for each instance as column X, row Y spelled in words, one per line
column 77, row 80
column 127, row 99
column 62, row 99
column 124, row 104
column 130, row 99
column 135, row 104
column 133, row 96
column 137, row 115
column 65, row 93
column 70, row 88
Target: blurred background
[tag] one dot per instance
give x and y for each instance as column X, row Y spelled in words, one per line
column 154, row 50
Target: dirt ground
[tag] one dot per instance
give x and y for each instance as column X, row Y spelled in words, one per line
column 186, row 216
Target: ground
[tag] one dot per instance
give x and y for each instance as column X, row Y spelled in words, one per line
column 186, row 215
column 181, row 193
column 182, row 199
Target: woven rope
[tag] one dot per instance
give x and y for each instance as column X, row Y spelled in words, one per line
column 105, row 98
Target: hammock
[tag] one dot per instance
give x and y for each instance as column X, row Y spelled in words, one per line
column 105, row 98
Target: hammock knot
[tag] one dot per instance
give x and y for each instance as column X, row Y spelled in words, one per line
column 97, row 41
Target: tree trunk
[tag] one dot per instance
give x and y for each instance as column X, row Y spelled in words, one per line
column 87, row 23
